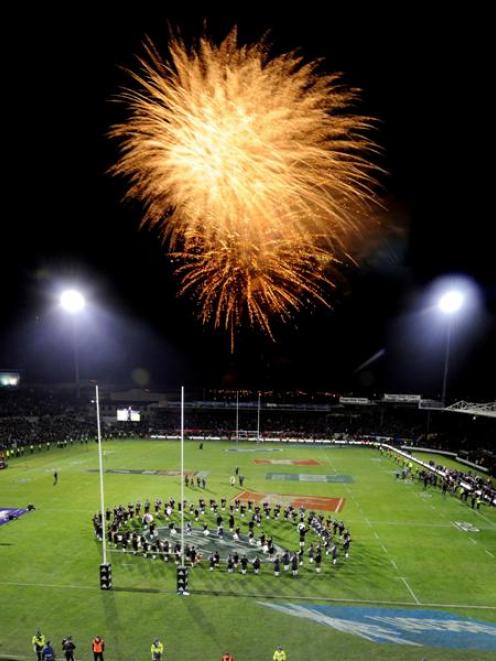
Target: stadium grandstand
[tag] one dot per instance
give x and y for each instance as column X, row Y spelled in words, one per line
column 34, row 414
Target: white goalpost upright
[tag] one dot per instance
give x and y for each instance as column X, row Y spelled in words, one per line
column 237, row 418
column 100, row 465
column 182, row 476
column 258, row 418
column 182, row 571
column 105, row 568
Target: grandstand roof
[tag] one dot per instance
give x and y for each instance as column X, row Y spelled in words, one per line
column 487, row 409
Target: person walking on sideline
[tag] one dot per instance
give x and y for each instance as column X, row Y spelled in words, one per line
column 279, row 654
column 98, row 646
column 157, row 649
column 38, row 643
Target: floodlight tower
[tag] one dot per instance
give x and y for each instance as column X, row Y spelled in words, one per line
column 449, row 304
column 73, row 303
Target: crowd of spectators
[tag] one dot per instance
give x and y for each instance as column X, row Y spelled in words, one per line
column 467, row 485
column 36, row 402
column 32, row 416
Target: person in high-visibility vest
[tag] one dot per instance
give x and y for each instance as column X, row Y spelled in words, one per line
column 98, row 646
column 279, row 654
column 157, row 649
column 227, row 657
column 38, row 643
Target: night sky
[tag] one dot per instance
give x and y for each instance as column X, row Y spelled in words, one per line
column 63, row 220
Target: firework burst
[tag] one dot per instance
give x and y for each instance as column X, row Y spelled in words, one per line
column 252, row 169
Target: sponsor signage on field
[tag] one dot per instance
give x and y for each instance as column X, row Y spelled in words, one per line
column 289, row 462
column 308, row 502
column 207, row 544
column 10, row 514
column 465, row 526
column 137, row 471
column 260, row 449
column 309, row 477
column 414, row 628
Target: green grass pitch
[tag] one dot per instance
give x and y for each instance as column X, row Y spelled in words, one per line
column 406, row 553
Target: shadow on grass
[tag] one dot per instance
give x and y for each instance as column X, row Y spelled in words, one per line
column 138, row 590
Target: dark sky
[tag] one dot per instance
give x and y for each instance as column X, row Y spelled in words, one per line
column 423, row 77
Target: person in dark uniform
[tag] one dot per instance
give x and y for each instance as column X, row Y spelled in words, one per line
column 294, row 564
column 68, row 648
column 318, row 559
column 346, row 546
column 55, row 478
column 334, row 553
column 48, row 653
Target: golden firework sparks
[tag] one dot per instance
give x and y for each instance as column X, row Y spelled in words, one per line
column 252, row 168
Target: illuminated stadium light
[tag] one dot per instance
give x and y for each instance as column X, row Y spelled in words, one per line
column 72, row 301
column 451, row 301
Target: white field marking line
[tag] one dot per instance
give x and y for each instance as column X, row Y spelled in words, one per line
column 340, row 505
column 49, row 585
column 482, row 545
column 413, row 524
column 393, row 563
column 493, row 525
column 65, row 509
column 354, row 601
column 13, row 657
column 410, row 590
column 43, row 468
column 395, row 566
column 271, row 596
